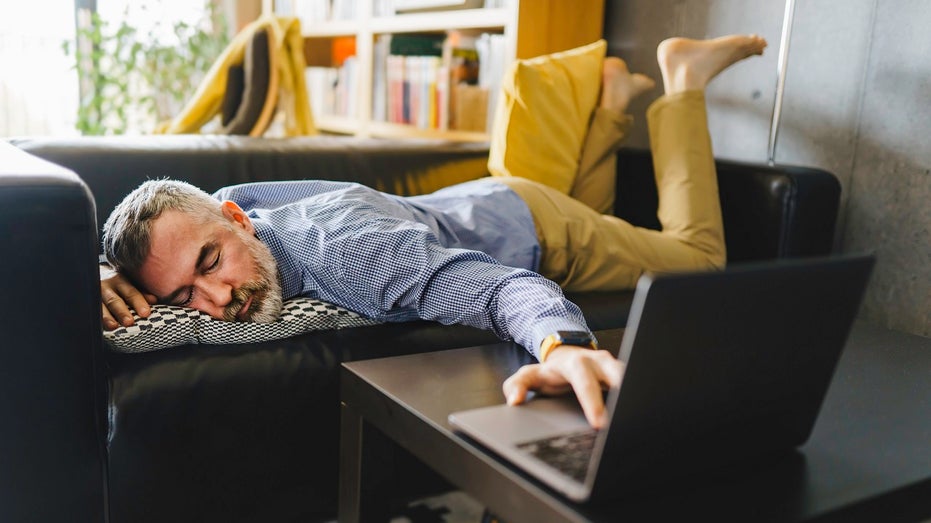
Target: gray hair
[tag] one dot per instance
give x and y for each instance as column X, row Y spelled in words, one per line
column 126, row 233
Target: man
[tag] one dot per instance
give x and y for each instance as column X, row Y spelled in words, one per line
column 492, row 253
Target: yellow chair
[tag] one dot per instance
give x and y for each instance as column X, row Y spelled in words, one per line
column 261, row 71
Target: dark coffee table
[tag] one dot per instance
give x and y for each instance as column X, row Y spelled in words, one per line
column 869, row 457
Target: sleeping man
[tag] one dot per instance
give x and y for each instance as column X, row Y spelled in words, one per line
column 494, row 253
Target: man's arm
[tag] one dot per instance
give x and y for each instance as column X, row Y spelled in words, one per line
column 117, row 296
column 410, row 270
column 528, row 308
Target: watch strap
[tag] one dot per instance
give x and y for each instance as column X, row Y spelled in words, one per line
column 551, row 342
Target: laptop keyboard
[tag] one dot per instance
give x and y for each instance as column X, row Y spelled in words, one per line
column 568, row 453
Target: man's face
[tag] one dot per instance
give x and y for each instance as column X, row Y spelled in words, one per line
column 218, row 268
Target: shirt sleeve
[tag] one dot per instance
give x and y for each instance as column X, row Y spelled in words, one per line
column 399, row 269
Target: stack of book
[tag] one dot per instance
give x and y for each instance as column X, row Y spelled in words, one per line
column 436, row 81
column 413, row 87
column 428, row 80
column 332, row 90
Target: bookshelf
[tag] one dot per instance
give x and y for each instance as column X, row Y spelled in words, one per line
column 525, row 28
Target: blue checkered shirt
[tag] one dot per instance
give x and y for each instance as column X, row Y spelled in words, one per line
column 465, row 254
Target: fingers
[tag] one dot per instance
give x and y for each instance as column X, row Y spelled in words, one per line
column 107, row 319
column 515, row 387
column 586, row 371
column 589, row 373
column 118, row 295
column 532, row 377
column 115, row 308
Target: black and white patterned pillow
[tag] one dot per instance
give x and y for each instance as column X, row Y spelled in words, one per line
column 170, row 326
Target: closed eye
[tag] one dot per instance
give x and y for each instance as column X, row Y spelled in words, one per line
column 212, row 267
column 190, row 298
column 200, row 267
column 214, row 264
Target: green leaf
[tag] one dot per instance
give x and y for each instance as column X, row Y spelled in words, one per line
column 122, row 68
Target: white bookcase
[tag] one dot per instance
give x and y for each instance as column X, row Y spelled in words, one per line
column 529, row 28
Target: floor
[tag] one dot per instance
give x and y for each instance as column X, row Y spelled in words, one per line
column 453, row 507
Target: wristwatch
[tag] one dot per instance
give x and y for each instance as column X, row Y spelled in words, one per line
column 577, row 338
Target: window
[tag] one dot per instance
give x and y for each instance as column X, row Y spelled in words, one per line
column 38, row 86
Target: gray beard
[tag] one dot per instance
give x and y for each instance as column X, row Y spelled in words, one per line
column 265, row 290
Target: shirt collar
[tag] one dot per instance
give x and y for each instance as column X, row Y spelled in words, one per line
column 289, row 272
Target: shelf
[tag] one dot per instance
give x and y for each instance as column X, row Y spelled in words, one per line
column 337, row 124
column 385, row 129
column 527, row 27
column 414, row 23
column 347, row 125
column 331, row 29
column 442, row 21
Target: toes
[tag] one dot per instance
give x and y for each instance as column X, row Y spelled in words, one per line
column 614, row 65
column 643, row 81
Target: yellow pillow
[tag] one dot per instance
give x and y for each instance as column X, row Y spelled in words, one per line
column 543, row 115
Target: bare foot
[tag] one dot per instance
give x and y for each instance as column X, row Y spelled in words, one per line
column 619, row 86
column 690, row 64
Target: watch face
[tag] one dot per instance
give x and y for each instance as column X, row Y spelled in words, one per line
column 580, row 338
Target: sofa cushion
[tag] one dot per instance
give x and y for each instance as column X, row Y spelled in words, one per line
column 170, row 326
column 543, row 116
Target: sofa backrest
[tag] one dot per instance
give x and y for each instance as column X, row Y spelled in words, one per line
column 51, row 403
column 769, row 212
column 112, row 166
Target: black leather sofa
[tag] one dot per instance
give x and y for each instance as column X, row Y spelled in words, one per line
column 244, row 432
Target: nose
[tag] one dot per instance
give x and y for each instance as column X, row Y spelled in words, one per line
column 219, row 293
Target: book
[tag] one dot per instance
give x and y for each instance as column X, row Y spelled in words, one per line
column 470, row 104
column 309, row 12
column 491, row 53
column 394, row 75
column 417, row 44
column 436, row 81
column 380, row 95
column 346, row 85
column 411, row 67
column 321, row 84
column 460, row 61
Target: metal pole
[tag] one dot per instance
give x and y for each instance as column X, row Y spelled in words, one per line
column 781, row 79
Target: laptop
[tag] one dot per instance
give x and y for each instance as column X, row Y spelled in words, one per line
column 720, row 367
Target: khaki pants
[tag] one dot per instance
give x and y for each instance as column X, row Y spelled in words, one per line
column 584, row 249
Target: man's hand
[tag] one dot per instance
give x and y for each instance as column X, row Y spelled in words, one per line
column 588, row 372
column 117, row 296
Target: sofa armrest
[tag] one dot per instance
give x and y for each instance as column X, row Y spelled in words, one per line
column 51, row 438
column 769, row 212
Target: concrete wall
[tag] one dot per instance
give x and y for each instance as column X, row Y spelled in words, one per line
column 857, row 103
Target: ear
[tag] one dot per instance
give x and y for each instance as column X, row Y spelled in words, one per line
column 235, row 214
